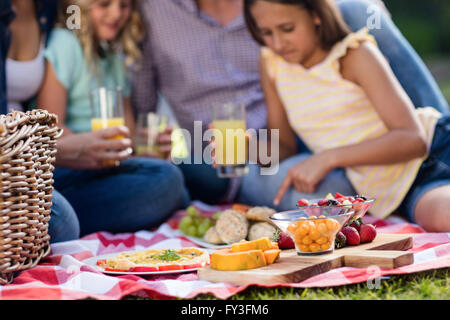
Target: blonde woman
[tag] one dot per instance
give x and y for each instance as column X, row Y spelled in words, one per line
column 138, row 193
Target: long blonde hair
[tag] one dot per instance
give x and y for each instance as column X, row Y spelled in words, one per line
column 128, row 41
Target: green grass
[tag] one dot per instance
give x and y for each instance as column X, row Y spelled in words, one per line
column 429, row 285
column 445, row 87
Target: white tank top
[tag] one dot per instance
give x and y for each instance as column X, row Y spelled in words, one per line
column 23, row 79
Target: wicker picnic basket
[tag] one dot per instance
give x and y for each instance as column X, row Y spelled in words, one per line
column 27, row 154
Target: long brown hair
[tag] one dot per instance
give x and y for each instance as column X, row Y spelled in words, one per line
column 332, row 29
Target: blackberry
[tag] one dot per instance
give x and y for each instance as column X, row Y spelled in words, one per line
column 333, row 203
column 360, row 197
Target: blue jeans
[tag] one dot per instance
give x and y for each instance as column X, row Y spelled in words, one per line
column 203, row 183
column 408, row 67
column 63, row 224
column 434, row 172
column 259, row 190
column 139, row 194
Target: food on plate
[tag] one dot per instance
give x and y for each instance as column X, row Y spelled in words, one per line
column 260, row 214
column 241, row 207
column 156, row 260
column 194, row 223
column 245, row 255
column 313, row 234
column 260, row 230
column 232, row 226
column 212, row 236
column 241, row 222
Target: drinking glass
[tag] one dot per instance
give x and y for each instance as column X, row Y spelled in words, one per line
column 148, row 127
column 229, row 125
column 107, row 111
column 107, row 108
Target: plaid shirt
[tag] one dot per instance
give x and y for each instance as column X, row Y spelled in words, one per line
column 194, row 61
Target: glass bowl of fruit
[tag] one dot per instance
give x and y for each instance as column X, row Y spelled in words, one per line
column 312, row 234
column 337, row 204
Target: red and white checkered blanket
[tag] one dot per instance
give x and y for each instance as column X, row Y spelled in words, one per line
column 64, row 276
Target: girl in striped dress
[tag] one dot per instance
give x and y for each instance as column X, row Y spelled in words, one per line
column 335, row 90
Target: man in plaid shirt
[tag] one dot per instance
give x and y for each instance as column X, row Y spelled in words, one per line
column 199, row 52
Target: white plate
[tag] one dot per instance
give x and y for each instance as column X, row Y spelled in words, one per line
column 92, row 262
column 205, row 244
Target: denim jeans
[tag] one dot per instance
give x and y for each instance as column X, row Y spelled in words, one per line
column 63, row 224
column 434, row 172
column 139, row 194
column 203, row 183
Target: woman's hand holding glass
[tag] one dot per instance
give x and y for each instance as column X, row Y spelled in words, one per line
column 94, row 150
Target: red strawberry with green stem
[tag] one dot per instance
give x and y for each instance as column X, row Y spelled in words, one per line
column 367, row 233
column 340, row 241
column 284, row 240
column 352, row 236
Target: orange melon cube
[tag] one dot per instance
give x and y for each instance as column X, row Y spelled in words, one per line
column 272, row 255
column 260, row 244
column 227, row 260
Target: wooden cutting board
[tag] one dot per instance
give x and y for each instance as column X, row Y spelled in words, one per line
column 387, row 251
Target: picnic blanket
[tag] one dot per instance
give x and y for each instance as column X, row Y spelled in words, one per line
column 64, row 276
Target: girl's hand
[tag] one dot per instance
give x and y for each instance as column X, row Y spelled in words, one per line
column 95, row 149
column 305, row 176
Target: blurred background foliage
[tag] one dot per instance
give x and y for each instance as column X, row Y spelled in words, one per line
column 426, row 25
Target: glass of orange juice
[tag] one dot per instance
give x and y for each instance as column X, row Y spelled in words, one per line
column 107, row 109
column 229, row 125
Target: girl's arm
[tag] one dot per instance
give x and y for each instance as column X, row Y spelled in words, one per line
column 276, row 115
column 53, row 97
column 405, row 139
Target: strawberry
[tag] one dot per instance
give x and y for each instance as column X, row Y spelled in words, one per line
column 284, row 240
column 322, row 202
column 340, row 241
column 303, row 203
column 352, row 236
column 356, row 224
column 367, row 232
column 337, row 196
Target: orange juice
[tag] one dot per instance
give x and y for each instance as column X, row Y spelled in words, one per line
column 231, row 144
column 103, row 123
